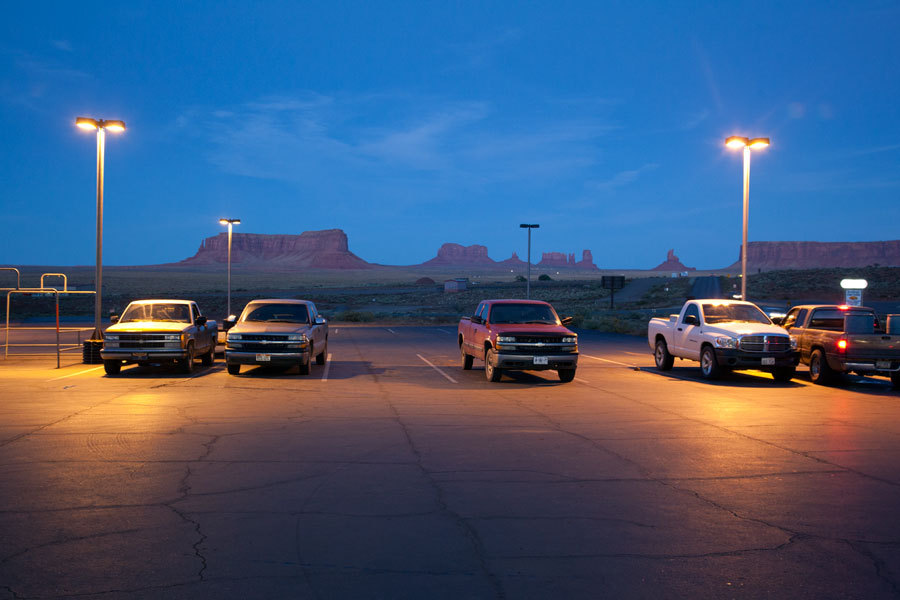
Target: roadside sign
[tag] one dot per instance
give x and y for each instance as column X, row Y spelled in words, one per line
column 853, row 297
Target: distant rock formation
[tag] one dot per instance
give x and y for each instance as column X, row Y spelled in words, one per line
column 769, row 256
column 560, row 260
column 672, row 264
column 454, row 254
column 326, row 249
column 513, row 262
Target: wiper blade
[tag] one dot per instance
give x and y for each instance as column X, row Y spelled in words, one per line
column 283, row 321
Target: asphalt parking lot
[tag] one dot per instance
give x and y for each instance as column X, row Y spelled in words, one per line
column 390, row 472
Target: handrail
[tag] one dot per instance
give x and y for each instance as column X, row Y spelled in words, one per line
column 18, row 275
column 63, row 275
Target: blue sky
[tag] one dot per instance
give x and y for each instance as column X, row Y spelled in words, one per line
column 410, row 124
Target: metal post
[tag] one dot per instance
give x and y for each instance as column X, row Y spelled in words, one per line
column 746, row 218
column 229, row 270
column 57, row 329
column 528, row 281
column 101, row 147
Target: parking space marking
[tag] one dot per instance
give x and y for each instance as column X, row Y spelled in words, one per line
column 335, row 330
column 74, row 374
column 391, row 330
column 327, row 366
column 580, row 380
column 445, row 331
column 636, row 353
column 430, row 364
column 615, row 362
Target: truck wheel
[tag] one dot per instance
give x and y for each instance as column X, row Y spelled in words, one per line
column 819, row 371
column 304, row 365
column 566, row 375
column 664, row 360
column 465, row 359
column 895, row 379
column 112, row 367
column 234, row 369
column 321, row 356
column 186, row 364
column 709, row 365
column 783, row 374
column 209, row 358
column 491, row 372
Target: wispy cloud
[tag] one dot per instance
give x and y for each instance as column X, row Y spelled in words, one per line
column 621, row 179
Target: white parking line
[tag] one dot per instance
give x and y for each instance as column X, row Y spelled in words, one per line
column 74, row 374
column 615, row 362
column 580, row 380
column 327, row 366
column 445, row 331
column 391, row 330
column 427, row 362
column 335, row 330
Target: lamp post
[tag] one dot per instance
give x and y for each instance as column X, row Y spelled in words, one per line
column 230, row 223
column 529, row 227
column 747, row 144
column 101, row 126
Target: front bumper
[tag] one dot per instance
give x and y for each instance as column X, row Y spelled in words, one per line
column 235, row 357
column 148, row 355
column 739, row 359
column 526, row 361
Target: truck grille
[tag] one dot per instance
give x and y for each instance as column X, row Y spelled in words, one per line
column 147, row 340
column 263, row 337
column 765, row 343
column 267, row 348
column 522, row 339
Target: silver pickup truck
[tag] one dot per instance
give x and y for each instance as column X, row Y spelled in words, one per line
column 158, row 331
column 276, row 332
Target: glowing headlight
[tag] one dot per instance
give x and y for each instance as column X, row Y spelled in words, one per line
column 570, row 340
column 505, row 338
column 793, row 343
column 726, row 342
column 234, row 337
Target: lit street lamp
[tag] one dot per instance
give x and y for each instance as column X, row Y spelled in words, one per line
column 101, row 126
column 747, row 144
column 230, row 223
column 529, row 227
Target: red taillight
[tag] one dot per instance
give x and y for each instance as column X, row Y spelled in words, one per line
column 842, row 345
column 843, row 307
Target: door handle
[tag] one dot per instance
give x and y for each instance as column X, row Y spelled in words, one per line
column 679, row 329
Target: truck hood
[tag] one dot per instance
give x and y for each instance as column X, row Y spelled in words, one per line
column 735, row 329
column 531, row 329
column 264, row 327
column 147, row 326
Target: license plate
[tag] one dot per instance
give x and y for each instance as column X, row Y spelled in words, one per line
column 540, row 360
column 768, row 361
column 882, row 364
column 139, row 355
column 263, row 357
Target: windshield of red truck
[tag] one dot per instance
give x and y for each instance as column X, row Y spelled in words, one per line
column 278, row 313
column 173, row 313
column 733, row 313
column 523, row 313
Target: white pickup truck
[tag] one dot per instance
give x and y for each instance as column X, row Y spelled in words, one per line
column 723, row 334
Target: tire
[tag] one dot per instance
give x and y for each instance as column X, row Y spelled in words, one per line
column 322, row 356
column 234, row 369
column 303, row 367
column 664, row 360
column 186, row 365
column 895, row 380
column 465, row 359
column 492, row 373
column 709, row 364
column 566, row 375
column 784, row 374
column 819, row 371
column 112, row 367
column 209, row 358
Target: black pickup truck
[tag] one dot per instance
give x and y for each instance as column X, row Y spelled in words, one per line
column 836, row 339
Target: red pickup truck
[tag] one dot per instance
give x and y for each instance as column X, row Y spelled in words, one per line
column 518, row 335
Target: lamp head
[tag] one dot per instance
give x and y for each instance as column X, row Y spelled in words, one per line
column 86, row 123
column 759, row 143
column 736, row 141
column 116, row 126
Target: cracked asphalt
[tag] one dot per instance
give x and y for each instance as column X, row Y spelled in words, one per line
column 392, row 473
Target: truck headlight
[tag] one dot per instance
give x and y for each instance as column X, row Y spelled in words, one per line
column 570, row 340
column 173, row 337
column 113, row 337
column 297, row 338
column 234, row 337
column 726, row 342
column 793, row 343
column 505, row 338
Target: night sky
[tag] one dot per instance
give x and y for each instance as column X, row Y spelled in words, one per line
column 410, row 124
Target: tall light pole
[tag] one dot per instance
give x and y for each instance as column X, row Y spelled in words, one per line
column 101, row 126
column 747, row 144
column 529, row 227
column 230, row 223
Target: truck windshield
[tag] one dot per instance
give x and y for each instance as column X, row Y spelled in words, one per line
column 278, row 313
column 162, row 311
column 734, row 313
column 523, row 313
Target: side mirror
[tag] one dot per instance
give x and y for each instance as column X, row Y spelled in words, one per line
column 778, row 320
column 477, row 319
column 320, row 320
column 113, row 318
column 691, row 320
column 229, row 322
column 200, row 320
column 566, row 320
